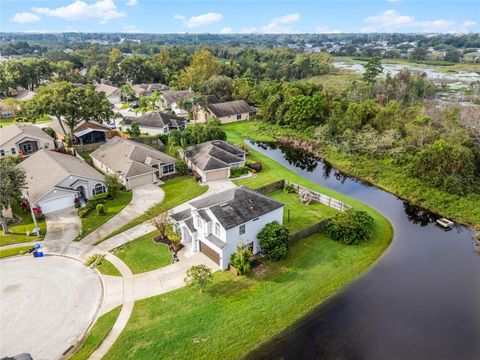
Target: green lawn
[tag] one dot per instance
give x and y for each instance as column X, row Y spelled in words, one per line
column 14, row 251
column 18, row 231
column 85, row 154
column 12, row 121
column 301, row 215
column 107, row 268
column 236, row 314
column 112, row 207
column 97, row 334
column 177, row 191
column 143, row 254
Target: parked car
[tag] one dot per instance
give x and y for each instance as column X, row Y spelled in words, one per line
column 112, row 125
column 134, row 105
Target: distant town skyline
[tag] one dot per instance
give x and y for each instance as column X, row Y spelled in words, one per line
column 227, row 17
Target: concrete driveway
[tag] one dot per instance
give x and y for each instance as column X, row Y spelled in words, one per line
column 46, row 304
column 63, row 225
column 144, row 197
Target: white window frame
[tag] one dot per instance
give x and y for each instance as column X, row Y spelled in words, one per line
column 97, row 187
column 217, row 229
column 244, row 226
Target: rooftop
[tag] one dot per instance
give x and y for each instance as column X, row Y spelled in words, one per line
column 7, row 133
column 230, row 108
column 155, row 119
column 215, row 154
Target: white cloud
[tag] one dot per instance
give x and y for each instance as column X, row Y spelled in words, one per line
column 105, row 10
column 326, row 30
column 226, row 30
column 281, row 24
column 392, row 20
column 200, row 20
column 132, row 2
column 25, row 17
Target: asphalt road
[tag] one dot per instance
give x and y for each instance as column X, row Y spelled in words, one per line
column 46, row 304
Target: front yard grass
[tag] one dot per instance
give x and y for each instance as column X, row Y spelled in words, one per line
column 97, row 334
column 177, row 191
column 185, row 324
column 301, row 215
column 112, row 207
column 143, row 254
column 107, row 268
column 14, row 251
column 18, row 231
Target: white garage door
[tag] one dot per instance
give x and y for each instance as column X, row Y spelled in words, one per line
column 59, row 203
column 140, row 180
column 216, row 175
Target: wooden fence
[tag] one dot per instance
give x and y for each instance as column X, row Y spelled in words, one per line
column 151, row 141
column 277, row 185
column 315, row 228
column 324, row 199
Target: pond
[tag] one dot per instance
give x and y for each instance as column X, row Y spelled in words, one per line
column 420, row 300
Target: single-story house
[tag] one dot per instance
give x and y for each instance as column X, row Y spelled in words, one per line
column 4, row 112
column 89, row 132
column 135, row 163
column 217, row 224
column 170, row 100
column 55, row 179
column 227, row 112
column 149, row 89
column 212, row 160
column 23, row 140
column 111, row 92
column 155, row 123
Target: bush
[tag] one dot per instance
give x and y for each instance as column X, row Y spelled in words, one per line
column 181, row 167
column 84, row 211
column 255, row 166
column 199, row 276
column 350, row 227
column 49, row 131
column 288, row 188
column 274, row 240
column 241, row 259
column 100, row 209
column 97, row 199
column 113, row 185
column 237, row 172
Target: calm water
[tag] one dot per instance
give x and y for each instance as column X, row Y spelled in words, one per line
column 421, row 300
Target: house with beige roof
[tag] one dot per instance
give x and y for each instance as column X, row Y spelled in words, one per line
column 212, row 160
column 226, row 112
column 23, row 140
column 170, row 100
column 55, row 180
column 149, row 89
column 155, row 123
column 134, row 163
column 111, row 92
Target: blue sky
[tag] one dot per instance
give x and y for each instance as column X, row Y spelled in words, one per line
column 226, row 16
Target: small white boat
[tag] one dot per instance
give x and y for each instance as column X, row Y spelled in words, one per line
column 445, row 223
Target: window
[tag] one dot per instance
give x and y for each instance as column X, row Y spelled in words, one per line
column 2, row 153
column 168, row 169
column 241, row 229
column 217, row 229
column 27, row 148
column 13, row 151
column 239, row 116
column 98, row 189
column 199, row 222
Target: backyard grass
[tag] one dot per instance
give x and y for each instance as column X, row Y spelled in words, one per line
column 143, row 254
column 14, row 251
column 177, row 191
column 301, row 215
column 97, row 334
column 237, row 314
column 112, row 207
column 107, row 268
column 18, row 231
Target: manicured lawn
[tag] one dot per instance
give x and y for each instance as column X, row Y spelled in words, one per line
column 18, row 231
column 12, row 121
column 95, row 336
column 14, row 251
column 107, row 268
column 177, row 191
column 301, row 215
column 143, row 254
column 236, row 314
column 112, row 207
column 85, row 155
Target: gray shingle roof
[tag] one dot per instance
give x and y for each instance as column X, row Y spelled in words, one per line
column 216, row 241
column 215, row 154
column 9, row 132
column 174, row 96
column 155, row 119
column 230, row 108
column 128, row 157
column 236, row 206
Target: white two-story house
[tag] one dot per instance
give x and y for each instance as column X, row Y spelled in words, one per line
column 217, row 224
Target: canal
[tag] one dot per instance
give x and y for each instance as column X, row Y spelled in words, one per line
column 420, row 300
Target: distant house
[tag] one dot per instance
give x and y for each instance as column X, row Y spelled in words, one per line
column 155, row 123
column 24, row 94
column 170, row 100
column 86, row 132
column 4, row 112
column 23, row 140
column 54, row 180
column 149, row 89
column 227, row 112
column 213, row 160
column 135, row 164
column 111, row 92
column 217, row 224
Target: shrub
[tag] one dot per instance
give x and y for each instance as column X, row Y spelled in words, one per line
column 241, row 259
column 199, row 276
column 181, row 167
column 288, row 188
column 84, row 211
column 350, row 227
column 49, row 131
column 237, row 172
column 255, row 166
column 113, row 185
column 94, row 260
column 100, row 209
column 97, row 199
column 274, row 240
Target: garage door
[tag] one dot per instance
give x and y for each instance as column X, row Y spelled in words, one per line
column 56, row 204
column 212, row 254
column 140, row 180
column 217, row 175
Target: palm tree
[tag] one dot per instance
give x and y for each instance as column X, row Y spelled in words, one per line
column 127, row 92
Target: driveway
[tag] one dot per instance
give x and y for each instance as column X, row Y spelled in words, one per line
column 46, row 304
column 144, row 197
column 62, row 226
